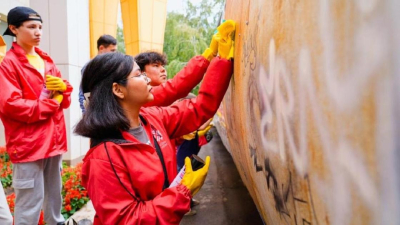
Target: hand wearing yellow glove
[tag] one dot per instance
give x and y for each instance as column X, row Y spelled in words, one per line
column 225, row 43
column 194, row 180
column 58, row 97
column 212, row 51
column 200, row 133
column 55, row 83
column 222, row 42
column 189, row 136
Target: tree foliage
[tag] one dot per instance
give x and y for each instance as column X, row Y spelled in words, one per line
column 120, row 40
column 189, row 34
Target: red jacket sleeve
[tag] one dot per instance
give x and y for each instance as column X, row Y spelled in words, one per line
column 201, row 108
column 18, row 108
column 66, row 102
column 182, row 83
column 114, row 205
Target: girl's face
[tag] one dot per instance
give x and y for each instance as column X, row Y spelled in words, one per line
column 29, row 33
column 137, row 90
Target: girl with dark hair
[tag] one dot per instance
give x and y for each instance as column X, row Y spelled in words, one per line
column 131, row 162
column 126, row 178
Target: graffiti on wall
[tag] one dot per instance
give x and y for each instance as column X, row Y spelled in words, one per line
column 312, row 112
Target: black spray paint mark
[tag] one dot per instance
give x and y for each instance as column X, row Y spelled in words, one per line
column 281, row 195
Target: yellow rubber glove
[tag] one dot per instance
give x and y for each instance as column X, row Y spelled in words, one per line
column 194, row 180
column 58, row 97
column 212, row 51
column 3, row 48
column 225, row 43
column 189, row 136
column 208, row 54
column 214, row 44
column 226, row 28
column 200, row 132
column 203, row 132
column 55, row 83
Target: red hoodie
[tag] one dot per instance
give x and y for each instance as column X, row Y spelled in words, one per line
column 138, row 166
column 34, row 128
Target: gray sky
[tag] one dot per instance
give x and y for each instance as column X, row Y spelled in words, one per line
column 172, row 5
column 178, row 5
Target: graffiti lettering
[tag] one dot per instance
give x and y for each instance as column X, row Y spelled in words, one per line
column 283, row 194
column 342, row 158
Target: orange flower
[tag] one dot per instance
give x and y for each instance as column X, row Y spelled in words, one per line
column 41, row 219
column 75, row 194
column 84, row 193
column 68, row 208
column 68, row 184
column 11, row 202
column 67, row 199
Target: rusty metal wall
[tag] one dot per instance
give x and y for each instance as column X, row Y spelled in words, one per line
column 311, row 117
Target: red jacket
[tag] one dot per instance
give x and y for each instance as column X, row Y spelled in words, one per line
column 34, row 129
column 182, row 83
column 138, row 165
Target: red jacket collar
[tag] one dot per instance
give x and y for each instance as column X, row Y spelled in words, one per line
column 20, row 53
column 125, row 139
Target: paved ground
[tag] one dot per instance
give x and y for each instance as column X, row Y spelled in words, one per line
column 224, row 198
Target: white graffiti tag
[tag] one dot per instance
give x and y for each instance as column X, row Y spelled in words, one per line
column 344, row 90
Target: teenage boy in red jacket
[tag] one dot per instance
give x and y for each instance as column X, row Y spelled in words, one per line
column 32, row 98
column 166, row 91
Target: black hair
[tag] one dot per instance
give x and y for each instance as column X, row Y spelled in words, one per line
column 149, row 57
column 19, row 24
column 106, row 40
column 104, row 117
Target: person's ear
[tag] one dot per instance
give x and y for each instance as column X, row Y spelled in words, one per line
column 13, row 29
column 101, row 48
column 117, row 91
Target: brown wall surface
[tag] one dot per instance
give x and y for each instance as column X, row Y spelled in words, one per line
column 311, row 115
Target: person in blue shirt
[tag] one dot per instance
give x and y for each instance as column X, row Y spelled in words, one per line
column 106, row 43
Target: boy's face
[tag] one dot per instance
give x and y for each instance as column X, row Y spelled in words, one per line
column 156, row 72
column 110, row 48
column 29, row 33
